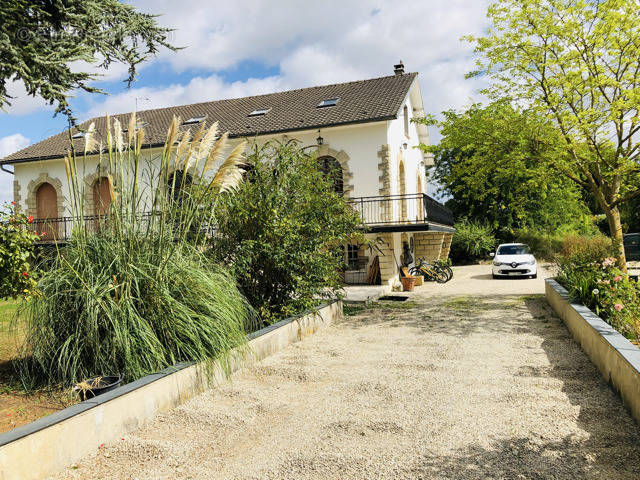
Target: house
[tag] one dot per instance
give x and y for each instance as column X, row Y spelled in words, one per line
column 361, row 128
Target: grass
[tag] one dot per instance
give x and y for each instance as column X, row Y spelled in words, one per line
column 9, row 340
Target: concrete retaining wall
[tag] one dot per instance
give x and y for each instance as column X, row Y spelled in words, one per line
column 616, row 357
column 50, row 444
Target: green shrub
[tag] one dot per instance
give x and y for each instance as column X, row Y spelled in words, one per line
column 283, row 231
column 132, row 295
column 547, row 246
column 593, row 278
column 473, row 240
column 17, row 244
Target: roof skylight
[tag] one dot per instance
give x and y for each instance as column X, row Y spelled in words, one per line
column 139, row 125
column 329, row 102
column 193, row 120
column 259, row 111
column 78, row 135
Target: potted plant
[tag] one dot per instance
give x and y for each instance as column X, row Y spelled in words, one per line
column 408, row 283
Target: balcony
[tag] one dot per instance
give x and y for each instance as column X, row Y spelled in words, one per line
column 390, row 213
column 403, row 213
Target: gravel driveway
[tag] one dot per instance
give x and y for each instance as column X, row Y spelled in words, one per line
column 446, row 386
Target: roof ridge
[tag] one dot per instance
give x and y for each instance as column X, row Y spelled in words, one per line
column 139, row 112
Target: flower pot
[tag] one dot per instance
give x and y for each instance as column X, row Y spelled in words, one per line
column 419, row 280
column 97, row 386
column 408, row 283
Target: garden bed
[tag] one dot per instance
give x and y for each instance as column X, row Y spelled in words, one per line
column 34, row 451
column 615, row 356
column 16, row 407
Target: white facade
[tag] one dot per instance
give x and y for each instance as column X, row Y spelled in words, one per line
column 378, row 159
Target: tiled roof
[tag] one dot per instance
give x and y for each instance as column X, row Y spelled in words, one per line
column 360, row 102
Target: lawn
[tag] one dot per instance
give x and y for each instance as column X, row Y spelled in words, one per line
column 16, row 407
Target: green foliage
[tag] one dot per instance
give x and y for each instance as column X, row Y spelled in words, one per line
column 283, row 231
column 593, row 278
column 472, row 241
column 496, row 162
column 132, row 294
column 103, row 311
column 547, row 246
column 41, row 42
column 576, row 62
column 16, row 252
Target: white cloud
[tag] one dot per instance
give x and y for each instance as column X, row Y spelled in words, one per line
column 21, row 103
column 310, row 43
column 313, row 44
column 8, row 145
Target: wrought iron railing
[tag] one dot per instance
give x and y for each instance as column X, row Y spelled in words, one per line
column 60, row 229
column 413, row 208
column 410, row 209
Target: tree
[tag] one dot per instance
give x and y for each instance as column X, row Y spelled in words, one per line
column 283, row 231
column 17, row 246
column 578, row 63
column 40, row 39
column 493, row 162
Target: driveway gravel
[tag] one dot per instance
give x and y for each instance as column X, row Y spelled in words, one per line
column 482, row 386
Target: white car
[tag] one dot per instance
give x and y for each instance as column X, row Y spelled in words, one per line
column 514, row 260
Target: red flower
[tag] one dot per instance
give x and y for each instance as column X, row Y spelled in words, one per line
column 25, row 274
column 30, row 219
column 13, row 203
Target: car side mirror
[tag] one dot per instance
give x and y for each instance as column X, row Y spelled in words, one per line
column 492, row 254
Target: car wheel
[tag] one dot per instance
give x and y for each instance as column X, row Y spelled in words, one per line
column 495, row 277
column 535, row 275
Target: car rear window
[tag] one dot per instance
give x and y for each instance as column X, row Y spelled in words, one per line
column 514, row 250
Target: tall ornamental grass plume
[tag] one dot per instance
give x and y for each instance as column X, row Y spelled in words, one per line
column 131, row 293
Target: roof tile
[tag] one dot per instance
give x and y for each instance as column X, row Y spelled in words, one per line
column 361, row 101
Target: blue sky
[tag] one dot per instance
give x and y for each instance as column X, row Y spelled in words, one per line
column 250, row 47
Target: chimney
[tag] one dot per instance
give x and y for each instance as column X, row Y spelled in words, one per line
column 398, row 68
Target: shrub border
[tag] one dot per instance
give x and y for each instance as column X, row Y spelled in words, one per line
column 616, row 357
column 188, row 380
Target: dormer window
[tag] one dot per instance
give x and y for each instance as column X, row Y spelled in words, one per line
column 79, row 135
column 138, row 126
column 193, row 120
column 329, row 102
column 259, row 111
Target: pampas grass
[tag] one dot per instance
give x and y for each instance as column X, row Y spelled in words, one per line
column 135, row 295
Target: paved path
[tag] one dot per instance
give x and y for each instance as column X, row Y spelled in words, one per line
column 482, row 386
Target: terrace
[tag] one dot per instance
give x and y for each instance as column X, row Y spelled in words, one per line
column 385, row 213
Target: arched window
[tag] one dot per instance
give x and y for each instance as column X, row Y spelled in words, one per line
column 101, row 196
column 178, row 183
column 402, row 190
column 47, row 209
column 405, row 111
column 420, row 200
column 331, row 167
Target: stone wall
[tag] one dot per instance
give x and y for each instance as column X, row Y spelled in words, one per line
column 388, row 268
column 432, row 245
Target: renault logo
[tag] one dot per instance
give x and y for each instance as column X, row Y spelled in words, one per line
column 514, row 265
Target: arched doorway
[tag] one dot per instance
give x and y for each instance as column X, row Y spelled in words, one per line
column 331, row 168
column 402, row 190
column 47, row 211
column 101, row 196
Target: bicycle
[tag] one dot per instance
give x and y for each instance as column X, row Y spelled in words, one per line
column 444, row 265
column 430, row 272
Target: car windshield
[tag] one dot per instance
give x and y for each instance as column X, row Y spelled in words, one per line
column 514, row 250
